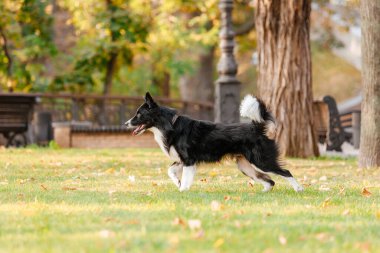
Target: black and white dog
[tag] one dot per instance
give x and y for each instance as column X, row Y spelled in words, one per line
column 188, row 142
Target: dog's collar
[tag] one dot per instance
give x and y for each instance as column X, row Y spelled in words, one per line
column 174, row 119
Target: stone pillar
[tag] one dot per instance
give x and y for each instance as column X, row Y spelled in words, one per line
column 62, row 134
column 227, row 92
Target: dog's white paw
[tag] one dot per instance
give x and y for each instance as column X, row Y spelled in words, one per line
column 298, row 188
column 267, row 188
column 183, row 188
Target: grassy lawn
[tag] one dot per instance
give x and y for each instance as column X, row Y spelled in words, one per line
column 123, row 201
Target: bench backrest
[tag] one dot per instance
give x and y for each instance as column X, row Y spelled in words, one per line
column 15, row 112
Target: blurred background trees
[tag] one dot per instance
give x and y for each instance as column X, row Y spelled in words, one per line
column 168, row 47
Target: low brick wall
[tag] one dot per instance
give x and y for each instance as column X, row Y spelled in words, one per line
column 66, row 137
column 112, row 140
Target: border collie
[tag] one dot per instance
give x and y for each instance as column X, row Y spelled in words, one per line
column 188, row 142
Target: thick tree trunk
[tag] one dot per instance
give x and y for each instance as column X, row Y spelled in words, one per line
column 285, row 72
column 370, row 123
column 200, row 85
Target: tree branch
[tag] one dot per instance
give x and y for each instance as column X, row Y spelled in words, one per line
column 6, row 52
column 246, row 27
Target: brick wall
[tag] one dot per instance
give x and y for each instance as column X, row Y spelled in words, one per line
column 112, row 140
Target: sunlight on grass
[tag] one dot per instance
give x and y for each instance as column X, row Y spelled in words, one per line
column 122, row 200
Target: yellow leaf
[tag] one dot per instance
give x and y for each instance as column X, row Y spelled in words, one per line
column 326, row 202
column 282, row 239
column 43, row 187
column 366, row 193
column 67, row 188
column 216, row 206
column 179, row 221
column 213, row 173
column 218, row 243
column 110, row 171
column 194, row 224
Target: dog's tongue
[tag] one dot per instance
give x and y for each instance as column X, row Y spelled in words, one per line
column 138, row 129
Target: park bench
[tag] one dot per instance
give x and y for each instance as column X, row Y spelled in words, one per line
column 333, row 128
column 16, row 113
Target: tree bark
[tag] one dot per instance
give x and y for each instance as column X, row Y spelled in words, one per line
column 110, row 70
column 162, row 81
column 370, row 118
column 284, row 67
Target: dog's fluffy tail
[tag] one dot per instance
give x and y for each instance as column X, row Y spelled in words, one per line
column 255, row 109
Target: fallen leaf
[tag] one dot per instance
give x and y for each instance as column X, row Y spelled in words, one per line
column 110, row 171
column 179, row 221
column 238, row 224
column 216, row 206
column 323, row 178
column 378, row 214
column 132, row 222
column 43, row 187
column 154, row 184
column 4, row 182
column 111, row 192
column 218, row 243
column 326, row 202
column 194, row 224
column 204, row 180
column 324, row 188
column 341, row 190
column 106, row 233
column 323, row 237
column 282, row 239
column 122, row 171
column 131, row 179
column 346, row 212
column 364, row 246
column 366, row 193
column 67, row 188
column 251, row 183
column 226, row 216
column 227, row 198
column 213, row 173
column 174, row 240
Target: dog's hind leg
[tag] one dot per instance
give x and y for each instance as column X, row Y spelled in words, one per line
column 188, row 174
column 249, row 170
column 174, row 172
column 272, row 166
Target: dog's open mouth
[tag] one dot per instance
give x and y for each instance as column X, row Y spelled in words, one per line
column 140, row 129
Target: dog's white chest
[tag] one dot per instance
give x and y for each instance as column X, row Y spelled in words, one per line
column 158, row 137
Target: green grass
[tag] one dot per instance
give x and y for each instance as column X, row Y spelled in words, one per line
column 86, row 201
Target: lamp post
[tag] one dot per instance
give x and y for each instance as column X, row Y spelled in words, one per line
column 227, row 92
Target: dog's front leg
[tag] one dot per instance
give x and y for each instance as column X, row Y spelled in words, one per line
column 174, row 172
column 188, row 174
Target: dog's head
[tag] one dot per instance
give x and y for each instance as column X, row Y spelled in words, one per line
column 144, row 117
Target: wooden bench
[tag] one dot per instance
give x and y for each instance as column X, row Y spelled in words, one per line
column 16, row 113
column 333, row 128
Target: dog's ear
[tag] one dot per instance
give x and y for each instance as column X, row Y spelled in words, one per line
column 149, row 100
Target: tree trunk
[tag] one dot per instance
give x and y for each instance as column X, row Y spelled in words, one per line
column 110, row 70
column 200, row 85
column 284, row 69
column 370, row 123
column 161, row 81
